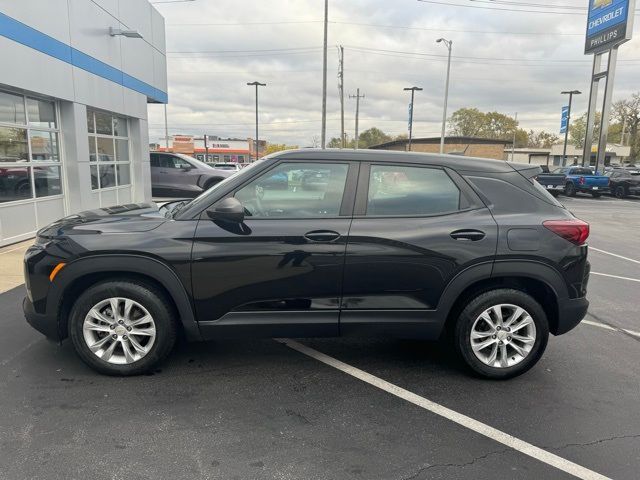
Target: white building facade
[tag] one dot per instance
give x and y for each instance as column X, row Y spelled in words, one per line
column 73, row 107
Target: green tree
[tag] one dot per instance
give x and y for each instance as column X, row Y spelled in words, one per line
column 541, row 139
column 471, row 122
column 278, row 147
column 627, row 112
column 578, row 130
column 372, row 136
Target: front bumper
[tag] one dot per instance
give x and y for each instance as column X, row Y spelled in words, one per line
column 43, row 323
column 570, row 314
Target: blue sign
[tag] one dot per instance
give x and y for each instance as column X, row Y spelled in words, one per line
column 608, row 24
column 564, row 121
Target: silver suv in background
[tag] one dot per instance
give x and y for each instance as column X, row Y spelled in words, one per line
column 174, row 174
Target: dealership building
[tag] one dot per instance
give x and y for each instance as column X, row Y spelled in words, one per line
column 75, row 82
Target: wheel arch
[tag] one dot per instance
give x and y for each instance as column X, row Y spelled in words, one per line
column 540, row 281
column 78, row 275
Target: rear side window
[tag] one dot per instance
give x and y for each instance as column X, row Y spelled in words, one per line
column 406, row 190
column 154, row 160
column 581, row 171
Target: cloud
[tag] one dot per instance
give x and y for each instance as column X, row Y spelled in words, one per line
column 523, row 69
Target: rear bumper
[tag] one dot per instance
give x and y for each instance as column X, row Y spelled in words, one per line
column 44, row 323
column 570, row 314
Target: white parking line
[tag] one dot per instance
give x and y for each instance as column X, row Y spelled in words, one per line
column 609, row 327
column 467, row 422
column 616, row 276
column 614, row 255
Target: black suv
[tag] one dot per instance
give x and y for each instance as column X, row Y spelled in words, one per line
column 385, row 243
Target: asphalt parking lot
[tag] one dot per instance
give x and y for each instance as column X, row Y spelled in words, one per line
column 262, row 409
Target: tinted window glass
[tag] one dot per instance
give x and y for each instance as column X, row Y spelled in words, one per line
column 399, row 190
column 296, row 190
column 581, row 171
column 44, row 146
column 13, row 145
column 47, row 181
column 42, row 113
column 15, row 183
column 154, row 160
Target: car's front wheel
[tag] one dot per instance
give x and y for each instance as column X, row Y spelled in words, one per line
column 122, row 327
column 502, row 333
column 620, row 191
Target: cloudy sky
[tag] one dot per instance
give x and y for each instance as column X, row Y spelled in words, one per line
column 504, row 60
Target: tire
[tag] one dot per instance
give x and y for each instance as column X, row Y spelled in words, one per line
column 470, row 320
column 570, row 190
column 147, row 301
column 596, row 195
column 620, row 192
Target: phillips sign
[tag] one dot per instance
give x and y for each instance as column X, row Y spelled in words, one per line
column 609, row 23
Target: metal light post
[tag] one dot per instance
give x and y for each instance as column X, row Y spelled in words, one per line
column 571, row 93
column 413, row 91
column 448, row 44
column 323, row 133
column 257, row 84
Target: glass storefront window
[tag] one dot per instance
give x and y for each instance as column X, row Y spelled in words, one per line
column 15, row 183
column 122, row 150
column 107, row 176
column 44, row 146
column 104, row 125
column 41, row 113
column 124, row 174
column 105, row 150
column 109, row 146
column 13, row 145
column 47, row 181
column 12, row 108
column 120, row 127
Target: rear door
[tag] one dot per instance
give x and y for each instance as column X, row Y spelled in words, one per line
column 415, row 227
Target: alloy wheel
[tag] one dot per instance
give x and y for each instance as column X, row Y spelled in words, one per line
column 503, row 335
column 119, row 330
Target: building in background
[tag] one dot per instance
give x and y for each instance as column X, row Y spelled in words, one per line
column 219, row 150
column 616, row 154
column 74, row 88
column 534, row 156
column 468, row 146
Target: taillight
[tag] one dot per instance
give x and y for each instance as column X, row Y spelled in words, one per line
column 574, row 230
column 581, row 181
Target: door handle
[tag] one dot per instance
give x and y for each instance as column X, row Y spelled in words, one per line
column 473, row 235
column 322, row 236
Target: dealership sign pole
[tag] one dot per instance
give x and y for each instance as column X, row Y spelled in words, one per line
column 609, row 25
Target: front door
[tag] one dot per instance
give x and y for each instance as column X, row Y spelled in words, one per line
column 414, row 229
column 279, row 273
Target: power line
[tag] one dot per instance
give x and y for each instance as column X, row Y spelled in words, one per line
column 241, row 24
column 246, row 51
column 435, row 2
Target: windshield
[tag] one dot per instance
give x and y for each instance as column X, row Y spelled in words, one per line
column 202, row 199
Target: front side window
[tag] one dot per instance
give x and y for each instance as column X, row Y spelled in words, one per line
column 108, row 150
column 29, row 148
column 296, row 190
column 407, row 190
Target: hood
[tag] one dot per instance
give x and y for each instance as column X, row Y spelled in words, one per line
column 132, row 217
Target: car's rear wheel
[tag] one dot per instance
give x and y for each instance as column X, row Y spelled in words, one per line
column 570, row 190
column 502, row 333
column 122, row 327
column 620, row 192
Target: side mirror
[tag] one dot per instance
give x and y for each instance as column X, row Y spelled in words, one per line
column 185, row 168
column 227, row 210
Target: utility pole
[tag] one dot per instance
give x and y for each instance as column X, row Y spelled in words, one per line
column 357, row 96
column 448, row 44
column 571, row 93
column 323, row 136
column 166, row 129
column 206, row 149
column 257, row 84
column 413, row 91
column 341, row 90
column 513, row 143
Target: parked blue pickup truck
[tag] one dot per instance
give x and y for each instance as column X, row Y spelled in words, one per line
column 577, row 179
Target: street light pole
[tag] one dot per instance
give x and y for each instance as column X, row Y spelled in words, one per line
column 413, row 91
column 571, row 93
column 323, row 134
column 448, row 44
column 257, row 84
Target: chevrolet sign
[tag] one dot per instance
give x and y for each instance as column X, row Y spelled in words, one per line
column 610, row 23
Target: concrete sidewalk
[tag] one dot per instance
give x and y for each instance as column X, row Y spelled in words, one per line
column 11, row 273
